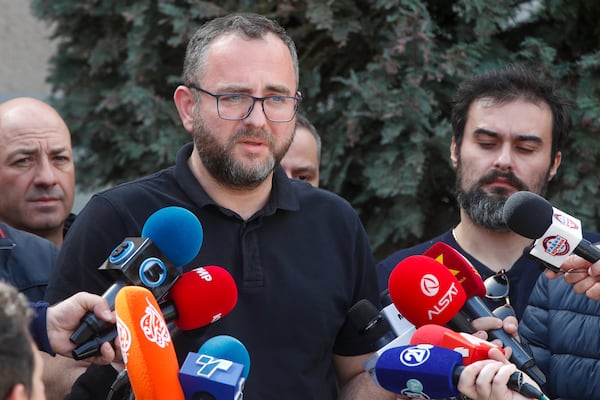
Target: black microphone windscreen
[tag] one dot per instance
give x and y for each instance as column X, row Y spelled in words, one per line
column 528, row 214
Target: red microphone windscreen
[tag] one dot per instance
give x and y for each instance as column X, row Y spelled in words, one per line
column 470, row 347
column 202, row 296
column 460, row 267
column 424, row 291
column 146, row 346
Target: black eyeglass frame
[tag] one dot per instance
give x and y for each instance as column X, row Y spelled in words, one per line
column 217, row 96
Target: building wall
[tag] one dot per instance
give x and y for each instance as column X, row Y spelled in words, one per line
column 25, row 49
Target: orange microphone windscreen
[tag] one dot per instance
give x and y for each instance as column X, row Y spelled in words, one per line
column 146, row 346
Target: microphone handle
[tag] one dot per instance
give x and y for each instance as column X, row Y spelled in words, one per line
column 476, row 308
column 90, row 325
column 461, row 323
column 515, row 383
column 587, row 251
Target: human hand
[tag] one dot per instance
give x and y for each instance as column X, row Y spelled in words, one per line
column 484, row 324
column 583, row 275
column 488, row 379
column 64, row 317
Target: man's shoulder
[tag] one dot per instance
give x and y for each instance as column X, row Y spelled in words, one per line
column 26, row 241
column 385, row 266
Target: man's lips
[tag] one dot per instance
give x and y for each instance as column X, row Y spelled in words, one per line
column 503, row 182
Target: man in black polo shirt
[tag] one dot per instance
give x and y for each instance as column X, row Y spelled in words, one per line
column 300, row 256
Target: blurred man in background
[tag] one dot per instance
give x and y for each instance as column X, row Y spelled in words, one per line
column 37, row 173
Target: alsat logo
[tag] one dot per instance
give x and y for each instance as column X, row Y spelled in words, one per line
column 430, row 285
column 556, row 245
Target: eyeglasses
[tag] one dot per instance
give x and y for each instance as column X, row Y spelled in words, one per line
column 497, row 286
column 238, row 106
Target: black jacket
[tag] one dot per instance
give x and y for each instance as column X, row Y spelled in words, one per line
column 26, row 261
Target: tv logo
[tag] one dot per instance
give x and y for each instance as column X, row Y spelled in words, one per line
column 223, row 379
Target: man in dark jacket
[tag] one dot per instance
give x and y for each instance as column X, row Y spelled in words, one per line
column 26, row 261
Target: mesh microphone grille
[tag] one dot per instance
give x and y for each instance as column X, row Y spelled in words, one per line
column 528, row 214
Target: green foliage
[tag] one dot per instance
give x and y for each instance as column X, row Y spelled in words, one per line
column 376, row 75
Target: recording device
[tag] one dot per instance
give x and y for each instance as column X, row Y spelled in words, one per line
column 557, row 234
column 374, row 326
column 431, row 372
column 200, row 297
column 171, row 237
column 146, row 346
column 424, row 287
column 217, row 371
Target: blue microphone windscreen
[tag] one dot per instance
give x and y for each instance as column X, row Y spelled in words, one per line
column 229, row 348
column 422, row 371
column 176, row 232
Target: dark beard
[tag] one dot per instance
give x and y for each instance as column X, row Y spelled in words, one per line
column 485, row 210
column 223, row 167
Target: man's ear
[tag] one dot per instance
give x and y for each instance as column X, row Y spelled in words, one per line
column 184, row 101
column 555, row 165
column 454, row 152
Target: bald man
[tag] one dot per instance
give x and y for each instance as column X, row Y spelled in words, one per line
column 303, row 158
column 37, row 173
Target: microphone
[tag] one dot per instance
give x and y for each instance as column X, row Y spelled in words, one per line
column 171, row 237
column 371, row 324
column 404, row 295
column 557, row 234
column 470, row 347
column 198, row 298
column 431, row 372
column 146, row 346
column 217, row 371
column 401, row 327
column 424, row 291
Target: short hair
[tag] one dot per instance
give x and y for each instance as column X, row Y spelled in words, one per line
column 253, row 26
column 510, row 83
column 303, row 122
column 16, row 350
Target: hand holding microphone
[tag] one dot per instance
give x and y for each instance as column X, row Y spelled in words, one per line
column 558, row 236
column 171, row 237
column 430, row 372
column 426, row 292
column 200, row 297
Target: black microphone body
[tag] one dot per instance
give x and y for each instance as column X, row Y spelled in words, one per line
column 136, row 261
column 371, row 324
column 556, row 233
column 476, row 308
